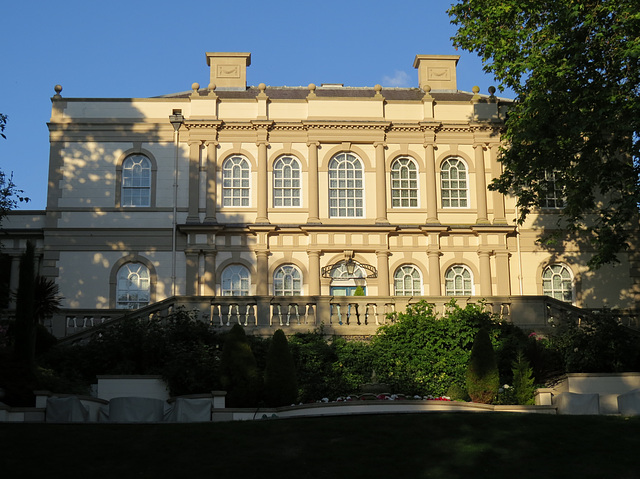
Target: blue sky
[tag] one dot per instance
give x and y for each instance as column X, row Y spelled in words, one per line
column 149, row 48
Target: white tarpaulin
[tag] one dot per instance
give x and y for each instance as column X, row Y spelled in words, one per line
column 134, row 409
column 66, row 409
column 629, row 403
column 573, row 403
column 190, row 410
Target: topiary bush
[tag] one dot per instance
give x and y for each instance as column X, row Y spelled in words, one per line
column 523, row 381
column 280, row 385
column 483, row 379
column 239, row 373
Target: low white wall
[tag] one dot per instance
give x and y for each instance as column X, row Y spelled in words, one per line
column 607, row 385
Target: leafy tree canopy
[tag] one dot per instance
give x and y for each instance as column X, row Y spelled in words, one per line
column 10, row 195
column 575, row 69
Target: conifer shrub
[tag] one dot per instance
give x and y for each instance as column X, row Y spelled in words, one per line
column 523, row 381
column 239, row 373
column 483, row 379
column 280, row 385
column 359, row 291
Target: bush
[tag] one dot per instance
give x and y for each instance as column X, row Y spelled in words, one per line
column 238, row 370
column 280, row 386
column 483, row 380
column 523, row 382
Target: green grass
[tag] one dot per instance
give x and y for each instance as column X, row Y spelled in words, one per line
column 434, row 445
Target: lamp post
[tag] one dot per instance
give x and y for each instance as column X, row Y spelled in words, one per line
column 176, row 120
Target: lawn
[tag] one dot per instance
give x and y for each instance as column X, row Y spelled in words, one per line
column 434, row 445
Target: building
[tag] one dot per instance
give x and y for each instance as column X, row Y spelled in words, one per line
column 272, row 205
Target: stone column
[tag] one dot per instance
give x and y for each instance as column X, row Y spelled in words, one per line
column 435, row 288
column 383, row 272
column 212, row 158
column 210, row 273
column 263, row 183
column 503, row 283
column 194, row 181
column 312, row 189
column 381, row 184
column 262, row 281
column 432, row 184
column 481, row 185
column 192, row 273
column 314, row 272
column 485, row 273
column 499, row 216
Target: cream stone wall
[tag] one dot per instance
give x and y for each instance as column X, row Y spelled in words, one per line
column 88, row 232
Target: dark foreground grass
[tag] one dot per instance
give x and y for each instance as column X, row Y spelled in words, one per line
column 453, row 445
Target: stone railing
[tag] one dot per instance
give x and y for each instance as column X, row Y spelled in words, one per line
column 342, row 315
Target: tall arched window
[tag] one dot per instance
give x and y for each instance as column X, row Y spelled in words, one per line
column 557, row 282
column 136, row 181
column 346, row 192
column 458, row 281
column 454, row 184
column 407, row 281
column 286, row 182
column 236, row 182
column 287, row 281
column 133, row 286
column 236, row 281
column 404, row 183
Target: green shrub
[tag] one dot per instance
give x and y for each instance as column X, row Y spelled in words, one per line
column 359, row 291
column 523, row 381
column 239, row 373
column 353, row 366
column 457, row 392
column 314, row 358
column 483, row 380
column 280, row 385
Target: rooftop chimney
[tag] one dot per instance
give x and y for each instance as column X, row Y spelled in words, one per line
column 229, row 70
column 437, row 71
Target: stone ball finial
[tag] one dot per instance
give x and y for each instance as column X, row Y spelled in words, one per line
column 262, row 87
column 426, row 88
column 195, row 86
column 58, row 89
column 212, row 86
column 492, row 90
column 476, row 89
column 312, row 87
column 378, row 88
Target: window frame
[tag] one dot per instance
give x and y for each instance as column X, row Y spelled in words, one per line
column 402, row 270
column 342, row 192
column 125, row 176
column 563, row 291
column 456, row 291
column 449, row 189
column 279, row 186
column 130, row 303
column 239, row 188
column 412, row 183
column 552, row 197
column 279, row 288
column 235, row 269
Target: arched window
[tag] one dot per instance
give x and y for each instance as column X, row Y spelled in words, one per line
column 557, row 282
column 133, row 285
column 286, row 182
column 136, row 181
column 236, row 281
column 236, row 182
column 407, row 281
column 458, row 281
column 453, row 184
column 287, row 281
column 404, row 183
column 346, row 192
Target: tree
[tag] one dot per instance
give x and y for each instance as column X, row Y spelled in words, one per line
column 10, row 195
column 239, row 373
column 523, row 381
column 280, row 386
column 575, row 70
column 483, row 379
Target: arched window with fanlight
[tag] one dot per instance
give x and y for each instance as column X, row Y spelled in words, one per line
column 287, row 177
column 287, row 281
column 454, row 184
column 136, row 179
column 458, row 281
column 236, row 281
column 132, row 286
column 407, row 281
column 236, row 182
column 404, row 183
column 557, row 282
column 346, row 187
